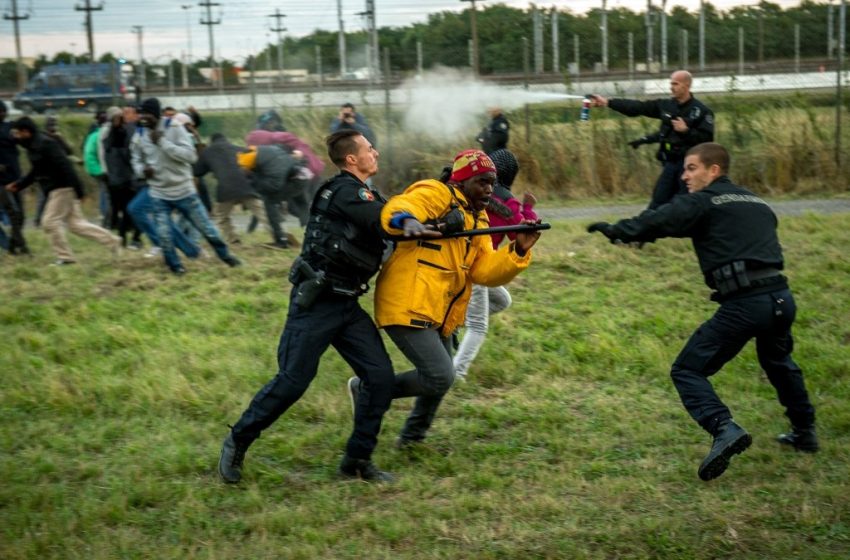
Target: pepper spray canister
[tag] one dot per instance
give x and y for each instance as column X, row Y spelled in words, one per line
column 585, row 109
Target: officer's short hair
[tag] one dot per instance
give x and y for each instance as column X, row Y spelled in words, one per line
column 340, row 144
column 711, row 153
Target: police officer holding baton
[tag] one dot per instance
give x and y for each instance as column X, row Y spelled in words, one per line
column 685, row 122
column 734, row 236
column 343, row 246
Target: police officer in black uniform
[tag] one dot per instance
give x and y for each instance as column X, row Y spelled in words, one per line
column 343, row 246
column 734, row 236
column 496, row 134
column 685, row 122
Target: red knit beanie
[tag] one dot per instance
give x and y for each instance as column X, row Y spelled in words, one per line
column 470, row 163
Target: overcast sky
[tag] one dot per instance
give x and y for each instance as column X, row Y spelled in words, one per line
column 54, row 25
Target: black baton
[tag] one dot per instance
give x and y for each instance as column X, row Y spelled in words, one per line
column 519, row 228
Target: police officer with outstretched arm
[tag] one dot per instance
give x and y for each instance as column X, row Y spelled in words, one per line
column 734, row 236
column 342, row 250
column 685, row 122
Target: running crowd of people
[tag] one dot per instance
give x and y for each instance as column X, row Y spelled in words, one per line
column 435, row 274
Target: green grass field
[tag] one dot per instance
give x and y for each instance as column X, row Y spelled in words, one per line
column 568, row 440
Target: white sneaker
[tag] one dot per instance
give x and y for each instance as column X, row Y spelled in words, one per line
column 154, row 252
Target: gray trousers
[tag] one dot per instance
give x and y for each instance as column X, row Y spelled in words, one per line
column 431, row 356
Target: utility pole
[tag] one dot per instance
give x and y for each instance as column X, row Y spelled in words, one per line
column 88, row 9
column 649, row 54
column 19, row 63
column 319, row 73
column 209, row 22
column 740, row 51
column 342, row 54
column 830, row 27
column 797, row 48
column 537, row 21
column 701, row 35
column 137, row 29
column 604, row 28
column 188, row 59
column 842, row 15
column 663, row 34
column 373, row 56
column 576, row 49
column 376, row 50
column 474, row 31
column 279, row 30
column 556, row 63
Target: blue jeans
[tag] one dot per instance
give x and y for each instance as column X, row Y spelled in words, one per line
column 141, row 209
column 193, row 210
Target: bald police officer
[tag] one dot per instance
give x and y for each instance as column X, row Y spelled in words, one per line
column 685, row 122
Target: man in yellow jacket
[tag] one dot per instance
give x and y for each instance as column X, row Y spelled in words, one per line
column 423, row 289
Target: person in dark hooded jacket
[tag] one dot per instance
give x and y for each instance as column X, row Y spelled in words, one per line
column 234, row 187
column 120, row 178
column 63, row 190
column 272, row 169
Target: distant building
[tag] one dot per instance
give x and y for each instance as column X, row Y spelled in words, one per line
column 296, row 75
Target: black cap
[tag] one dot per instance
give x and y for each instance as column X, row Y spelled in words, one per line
column 151, row 106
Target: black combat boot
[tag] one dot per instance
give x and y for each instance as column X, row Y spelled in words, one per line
column 232, row 457
column 730, row 439
column 363, row 469
column 232, row 261
column 802, row 439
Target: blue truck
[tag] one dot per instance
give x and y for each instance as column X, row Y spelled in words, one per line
column 76, row 86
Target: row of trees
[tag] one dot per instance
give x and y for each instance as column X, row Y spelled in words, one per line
column 768, row 31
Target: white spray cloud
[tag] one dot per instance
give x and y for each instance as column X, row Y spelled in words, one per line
column 446, row 103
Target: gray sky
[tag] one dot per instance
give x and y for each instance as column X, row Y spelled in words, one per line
column 54, row 25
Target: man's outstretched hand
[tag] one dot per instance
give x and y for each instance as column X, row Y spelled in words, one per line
column 605, row 229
